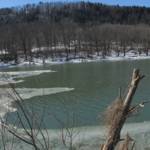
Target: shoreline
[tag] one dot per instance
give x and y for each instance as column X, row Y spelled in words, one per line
column 39, row 62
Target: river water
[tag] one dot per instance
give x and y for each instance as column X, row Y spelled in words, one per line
column 82, row 91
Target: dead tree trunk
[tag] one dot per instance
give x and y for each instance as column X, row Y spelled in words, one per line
column 115, row 127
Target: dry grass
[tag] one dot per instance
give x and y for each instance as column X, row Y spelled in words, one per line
column 112, row 113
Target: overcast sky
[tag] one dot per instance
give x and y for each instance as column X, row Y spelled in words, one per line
column 12, row 3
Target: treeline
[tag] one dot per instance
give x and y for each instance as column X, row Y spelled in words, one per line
column 79, row 12
column 48, row 39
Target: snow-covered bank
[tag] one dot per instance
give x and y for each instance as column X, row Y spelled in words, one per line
column 131, row 55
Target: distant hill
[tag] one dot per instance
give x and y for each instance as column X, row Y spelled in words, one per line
column 80, row 12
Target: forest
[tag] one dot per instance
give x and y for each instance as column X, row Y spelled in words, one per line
column 80, row 12
column 74, row 30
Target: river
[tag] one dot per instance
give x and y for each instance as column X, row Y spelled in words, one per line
column 86, row 88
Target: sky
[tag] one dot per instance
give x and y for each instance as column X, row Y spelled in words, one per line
column 13, row 3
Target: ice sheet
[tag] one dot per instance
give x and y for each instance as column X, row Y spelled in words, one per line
column 26, row 93
column 8, row 77
column 92, row 137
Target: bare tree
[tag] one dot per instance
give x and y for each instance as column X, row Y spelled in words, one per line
column 22, row 38
column 79, row 39
column 117, row 113
column 37, row 34
column 48, row 34
column 17, row 129
column 136, row 37
column 74, row 33
column 115, row 33
column 64, row 37
column 104, row 39
column 145, row 39
column 95, row 38
column 88, row 39
column 124, row 37
column 29, row 42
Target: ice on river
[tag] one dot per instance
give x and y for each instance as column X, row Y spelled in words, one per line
column 92, row 137
column 9, row 95
column 8, row 77
column 26, row 93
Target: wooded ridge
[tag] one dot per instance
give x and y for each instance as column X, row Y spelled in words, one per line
column 80, row 12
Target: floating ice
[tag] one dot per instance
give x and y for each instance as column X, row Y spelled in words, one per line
column 22, row 74
column 4, row 81
column 26, row 93
column 92, row 137
column 8, row 77
column 8, row 95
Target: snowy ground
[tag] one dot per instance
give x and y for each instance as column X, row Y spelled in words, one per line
column 131, row 55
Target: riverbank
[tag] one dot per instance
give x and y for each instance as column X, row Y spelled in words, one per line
column 131, row 55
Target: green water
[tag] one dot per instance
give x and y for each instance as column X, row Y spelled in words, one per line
column 95, row 86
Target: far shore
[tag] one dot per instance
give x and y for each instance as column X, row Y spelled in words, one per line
column 131, row 55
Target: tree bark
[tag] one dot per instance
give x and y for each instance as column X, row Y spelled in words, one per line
column 115, row 128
